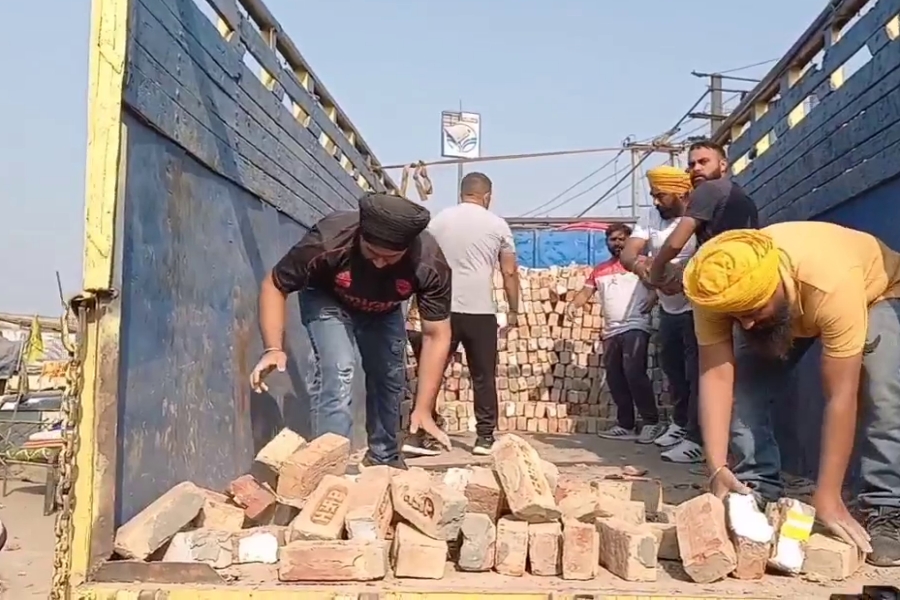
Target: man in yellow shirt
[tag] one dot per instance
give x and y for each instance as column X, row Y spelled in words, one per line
column 761, row 297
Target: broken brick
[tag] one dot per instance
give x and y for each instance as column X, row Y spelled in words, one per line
column 644, row 490
column 792, row 521
column 371, row 510
column 580, row 550
column 434, row 509
column 257, row 500
column 322, row 517
column 484, row 493
column 707, row 553
column 150, row 529
column 259, row 544
column 512, row 546
column 218, row 513
column 521, row 474
column 303, row 470
column 628, row 550
column 586, row 506
column 317, row 561
column 416, row 555
column 545, row 542
column 479, row 543
column 751, row 533
column 207, row 546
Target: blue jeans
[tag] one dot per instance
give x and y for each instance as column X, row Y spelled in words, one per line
column 335, row 333
column 759, row 382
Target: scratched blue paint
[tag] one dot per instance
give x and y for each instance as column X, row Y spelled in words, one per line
column 840, row 164
column 220, row 181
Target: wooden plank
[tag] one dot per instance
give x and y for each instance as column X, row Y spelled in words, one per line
column 310, row 81
column 807, row 45
column 832, row 139
column 129, row 571
column 203, row 43
column 837, row 55
column 227, row 11
column 870, row 174
column 848, row 162
column 877, row 78
column 151, row 104
column 261, row 51
column 193, row 84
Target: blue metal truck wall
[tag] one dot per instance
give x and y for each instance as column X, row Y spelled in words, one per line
column 543, row 248
column 827, row 149
column 220, row 180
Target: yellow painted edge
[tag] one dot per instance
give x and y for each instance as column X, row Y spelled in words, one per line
column 108, row 42
column 123, row 592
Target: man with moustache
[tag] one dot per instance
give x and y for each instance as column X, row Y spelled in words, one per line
column 761, row 297
column 717, row 204
column 669, row 188
column 625, row 304
column 353, row 270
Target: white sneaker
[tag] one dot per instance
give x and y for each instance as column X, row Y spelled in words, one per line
column 673, row 434
column 650, row 432
column 686, row 452
column 617, row 433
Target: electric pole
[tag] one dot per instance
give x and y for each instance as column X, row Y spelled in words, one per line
column 640, row 153
column 717, row 115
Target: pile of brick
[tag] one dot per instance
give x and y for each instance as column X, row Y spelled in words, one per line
column 298, row 511
column 550, row 375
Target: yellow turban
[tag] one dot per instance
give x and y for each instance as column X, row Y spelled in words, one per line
column 735, row 271
column 669, row 180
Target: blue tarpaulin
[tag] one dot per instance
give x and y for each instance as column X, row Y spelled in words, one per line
column 543, row 248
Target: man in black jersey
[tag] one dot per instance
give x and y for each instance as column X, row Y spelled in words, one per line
column 717, row 204
column 353, row 270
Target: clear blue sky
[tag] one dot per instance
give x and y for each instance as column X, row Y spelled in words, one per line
column 544, row 76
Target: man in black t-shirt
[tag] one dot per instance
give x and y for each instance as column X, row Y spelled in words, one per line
column 716, row 204
column 353, row 271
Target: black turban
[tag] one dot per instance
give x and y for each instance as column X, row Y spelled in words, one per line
column 391, row 222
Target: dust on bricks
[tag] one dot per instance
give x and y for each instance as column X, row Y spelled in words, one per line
column 524, row 482
column 580, row 550
column 304, row 469
column 417, row 555
column 512, row 546
column 371, row 509
column 479, row 542
column 150, row 529
column 707, row 553
column 318, row 561
column 545, row 548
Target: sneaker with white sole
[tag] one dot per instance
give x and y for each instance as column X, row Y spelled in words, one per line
column 617, row 432
column 649, row 433
column 673, row 434
column 685, row 452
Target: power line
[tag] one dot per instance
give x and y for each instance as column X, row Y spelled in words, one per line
column 573, row 186
column 608, row 192
column 745, row 67
column 456, row 161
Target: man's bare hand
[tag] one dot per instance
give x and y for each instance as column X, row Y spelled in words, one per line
column 723, row 482
column 642, row 268
column 833, row 514
column 423, row 420
column 271, row 360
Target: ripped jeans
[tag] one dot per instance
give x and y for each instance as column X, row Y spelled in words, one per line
column 335, row 333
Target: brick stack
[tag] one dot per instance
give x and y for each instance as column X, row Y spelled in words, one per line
column 297, row 511
column 550, row 377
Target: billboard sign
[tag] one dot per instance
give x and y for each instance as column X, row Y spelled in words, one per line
column 460, row 134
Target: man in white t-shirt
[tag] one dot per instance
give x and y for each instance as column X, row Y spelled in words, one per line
column 625, row 304
column 670, row 187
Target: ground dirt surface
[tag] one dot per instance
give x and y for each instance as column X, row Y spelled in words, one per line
column 26, row 562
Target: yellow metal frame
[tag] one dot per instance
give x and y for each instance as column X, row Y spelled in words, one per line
column 94, row 486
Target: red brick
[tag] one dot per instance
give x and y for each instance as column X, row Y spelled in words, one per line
column 219, row 513
column 484, row 493
column 322, row 518
column 832, row 559
column 666, row 540
column 303, row 470
column 479, row 543
column 268, row 461
column 580, row 550
column 512, row 547
column 318, row 561
column 545, row 548
column 707, row 553
column 257, row 500
column 433, row 508
column 416, row 555
column 627, row 550
column 150, row 529
column 371, row 510
column 524, row 482
column 752, row 536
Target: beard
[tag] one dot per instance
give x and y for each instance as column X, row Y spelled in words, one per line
column 775, row 338
column 667, row 213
